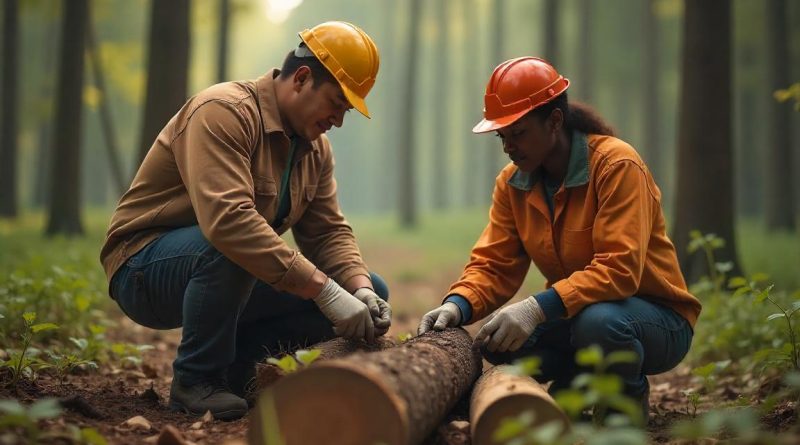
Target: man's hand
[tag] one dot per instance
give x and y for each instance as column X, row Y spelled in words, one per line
column 379, row 309
column 511, row 326
column 444, row 316
column 350, row 317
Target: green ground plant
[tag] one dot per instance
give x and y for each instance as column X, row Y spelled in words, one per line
column 21, row 424
column 25, row 361
column 301, row 358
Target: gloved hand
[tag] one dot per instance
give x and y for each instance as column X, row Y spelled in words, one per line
column 444, row 316
column 350, row 317
column 379, row 309
column 510, row 326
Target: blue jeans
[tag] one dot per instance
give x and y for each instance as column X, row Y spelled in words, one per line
column 657, row 334
column 227, row 314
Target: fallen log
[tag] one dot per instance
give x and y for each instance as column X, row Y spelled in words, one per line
column 396, row 396
column 499, row 395
column 267, row 374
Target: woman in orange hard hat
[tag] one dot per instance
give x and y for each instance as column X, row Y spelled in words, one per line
column 581, row 205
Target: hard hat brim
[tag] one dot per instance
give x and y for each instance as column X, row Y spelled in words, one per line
column 487, row 125
column 356, row 101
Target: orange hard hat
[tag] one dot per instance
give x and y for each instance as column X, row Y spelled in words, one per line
column 349, row 54
column 516, row 87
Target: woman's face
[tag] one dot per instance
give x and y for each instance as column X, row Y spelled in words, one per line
column 530, row 140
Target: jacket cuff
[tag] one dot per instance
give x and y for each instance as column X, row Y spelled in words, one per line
column 463, row 306
column 551, row 304
column 297, row 275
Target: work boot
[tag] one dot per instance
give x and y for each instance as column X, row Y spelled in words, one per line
column 210, row 395
column 242, row 380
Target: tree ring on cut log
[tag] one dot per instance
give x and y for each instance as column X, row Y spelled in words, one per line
column 335, row 403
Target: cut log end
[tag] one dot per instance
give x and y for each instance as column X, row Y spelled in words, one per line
column 366, row 411
column 499, row 395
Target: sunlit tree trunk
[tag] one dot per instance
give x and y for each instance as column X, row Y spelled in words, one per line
column 222, row 40
column 167, row 69
column 41, row 177
column 9, row 114
column 441, row 114
column 704, row 198
column 778, row 196
column 407, row 196
column 473, row 188
column 65, row 202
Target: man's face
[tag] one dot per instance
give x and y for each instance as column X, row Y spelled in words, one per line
column 316, row 107
column 529, row 141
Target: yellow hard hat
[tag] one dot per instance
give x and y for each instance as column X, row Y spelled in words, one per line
column 349, row 54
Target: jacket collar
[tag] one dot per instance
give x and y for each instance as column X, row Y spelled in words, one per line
column 577, row 168
column 270, row 115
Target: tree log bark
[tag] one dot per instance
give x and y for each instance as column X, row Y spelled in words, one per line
column 499, row 395
column 267, row 374
column 396, row 397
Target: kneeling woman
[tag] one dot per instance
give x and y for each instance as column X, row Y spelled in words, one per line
column 581, row 205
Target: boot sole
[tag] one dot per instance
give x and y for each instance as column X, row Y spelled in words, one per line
column 228, row 415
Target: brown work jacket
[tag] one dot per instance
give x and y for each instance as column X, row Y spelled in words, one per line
column 218, row 164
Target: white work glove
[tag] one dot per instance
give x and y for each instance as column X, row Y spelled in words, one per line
column 379, row 309
column 444, row 316
column 350, row 317
column 510, row 326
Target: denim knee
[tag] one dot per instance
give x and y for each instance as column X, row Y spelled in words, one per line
column 602, row 324
column 379, row 285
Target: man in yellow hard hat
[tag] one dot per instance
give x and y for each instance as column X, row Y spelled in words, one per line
column 195, row 242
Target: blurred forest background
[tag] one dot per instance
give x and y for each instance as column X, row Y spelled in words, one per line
column 88, row 84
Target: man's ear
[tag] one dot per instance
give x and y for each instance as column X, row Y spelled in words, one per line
column 301, row 76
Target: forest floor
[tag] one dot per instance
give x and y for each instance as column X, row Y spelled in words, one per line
column 107, row 399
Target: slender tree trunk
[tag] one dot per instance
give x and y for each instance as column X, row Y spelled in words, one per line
column 749, row 183
column 779, row 200
column 704, row 199
column 396, row 396
column 585, row 74
column 441, row 112
column 65, row 191
column 167, row 69
column 407, row 191
column 41, row 176
column 550, row 29
column 222, row 41
column 651, row 79
column 106, row 118
column 9, row 115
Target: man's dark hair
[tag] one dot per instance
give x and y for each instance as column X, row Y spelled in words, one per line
column 319, row 74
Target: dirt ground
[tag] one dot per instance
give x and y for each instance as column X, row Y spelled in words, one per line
column 109, row 398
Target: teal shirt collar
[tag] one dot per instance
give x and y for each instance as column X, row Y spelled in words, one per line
column 577, row 168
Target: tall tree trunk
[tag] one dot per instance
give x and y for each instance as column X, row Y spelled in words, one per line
column 167, row 69
column 441, row 114
column 9, row 114
column 550, row 29
column 222, row 40
column 778, row 199
column 750, row 187
column 106, row 118
column 407, row 190
column 704, row 198
column 651, row 79
column 585, row 73
column 65, row 191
